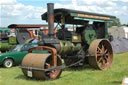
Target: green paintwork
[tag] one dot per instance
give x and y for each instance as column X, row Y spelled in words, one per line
column 68, row 47
column 18, row 54
column 39, row 51
column 62, row 47
column 77, row 47
column 12, row 40
column 5, row 29
column 73, row 14
column 106, row 36
column 4, row 46
column 89, row 35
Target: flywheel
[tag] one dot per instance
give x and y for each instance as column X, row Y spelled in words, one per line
column 101, row 54
column 22, row 36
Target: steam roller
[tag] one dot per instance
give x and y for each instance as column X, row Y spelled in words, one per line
column 85, row 44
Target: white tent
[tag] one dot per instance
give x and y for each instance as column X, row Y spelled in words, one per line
column 126, row 31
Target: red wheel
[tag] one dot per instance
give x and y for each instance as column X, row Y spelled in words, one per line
column 54, row 74
column 101, row 54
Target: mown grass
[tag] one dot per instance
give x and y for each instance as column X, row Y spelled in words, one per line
column 83, row 76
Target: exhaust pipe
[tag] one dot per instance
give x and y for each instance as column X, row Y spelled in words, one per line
column 50, row 16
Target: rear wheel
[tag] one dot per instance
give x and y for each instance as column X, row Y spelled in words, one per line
column 101, row 54
column 8, row 63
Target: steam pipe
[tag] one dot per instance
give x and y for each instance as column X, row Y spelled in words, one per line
column 50, row 16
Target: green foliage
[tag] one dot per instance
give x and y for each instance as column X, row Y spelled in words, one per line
column 116, row 22
column 82, row 76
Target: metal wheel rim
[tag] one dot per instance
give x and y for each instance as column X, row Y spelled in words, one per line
column 101, row 54
column 8, row 63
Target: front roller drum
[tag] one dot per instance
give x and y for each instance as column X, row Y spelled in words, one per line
column 40, row 61
column 101, row 54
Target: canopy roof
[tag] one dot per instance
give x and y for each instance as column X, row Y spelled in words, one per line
column 78, row 17
column 26, row 26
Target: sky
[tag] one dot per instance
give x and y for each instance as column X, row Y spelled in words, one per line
column 29, row 11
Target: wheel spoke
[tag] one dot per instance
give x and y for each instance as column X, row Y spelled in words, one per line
column 105, row 51
column 103, row 59
column 99, row 55
column 48, row 65
column 99, row 49
column 102, row 48
column 107, row 54
column 99, row 60
column 106, row 58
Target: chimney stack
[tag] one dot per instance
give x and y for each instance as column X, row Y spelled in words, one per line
column 50, row 16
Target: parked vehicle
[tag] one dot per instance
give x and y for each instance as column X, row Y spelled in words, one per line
column 87, row 43
column 15, row 56
column 19, row 34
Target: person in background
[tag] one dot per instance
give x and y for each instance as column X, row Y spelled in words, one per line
column 35, row 41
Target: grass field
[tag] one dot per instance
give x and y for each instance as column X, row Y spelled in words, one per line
column 83, row 76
